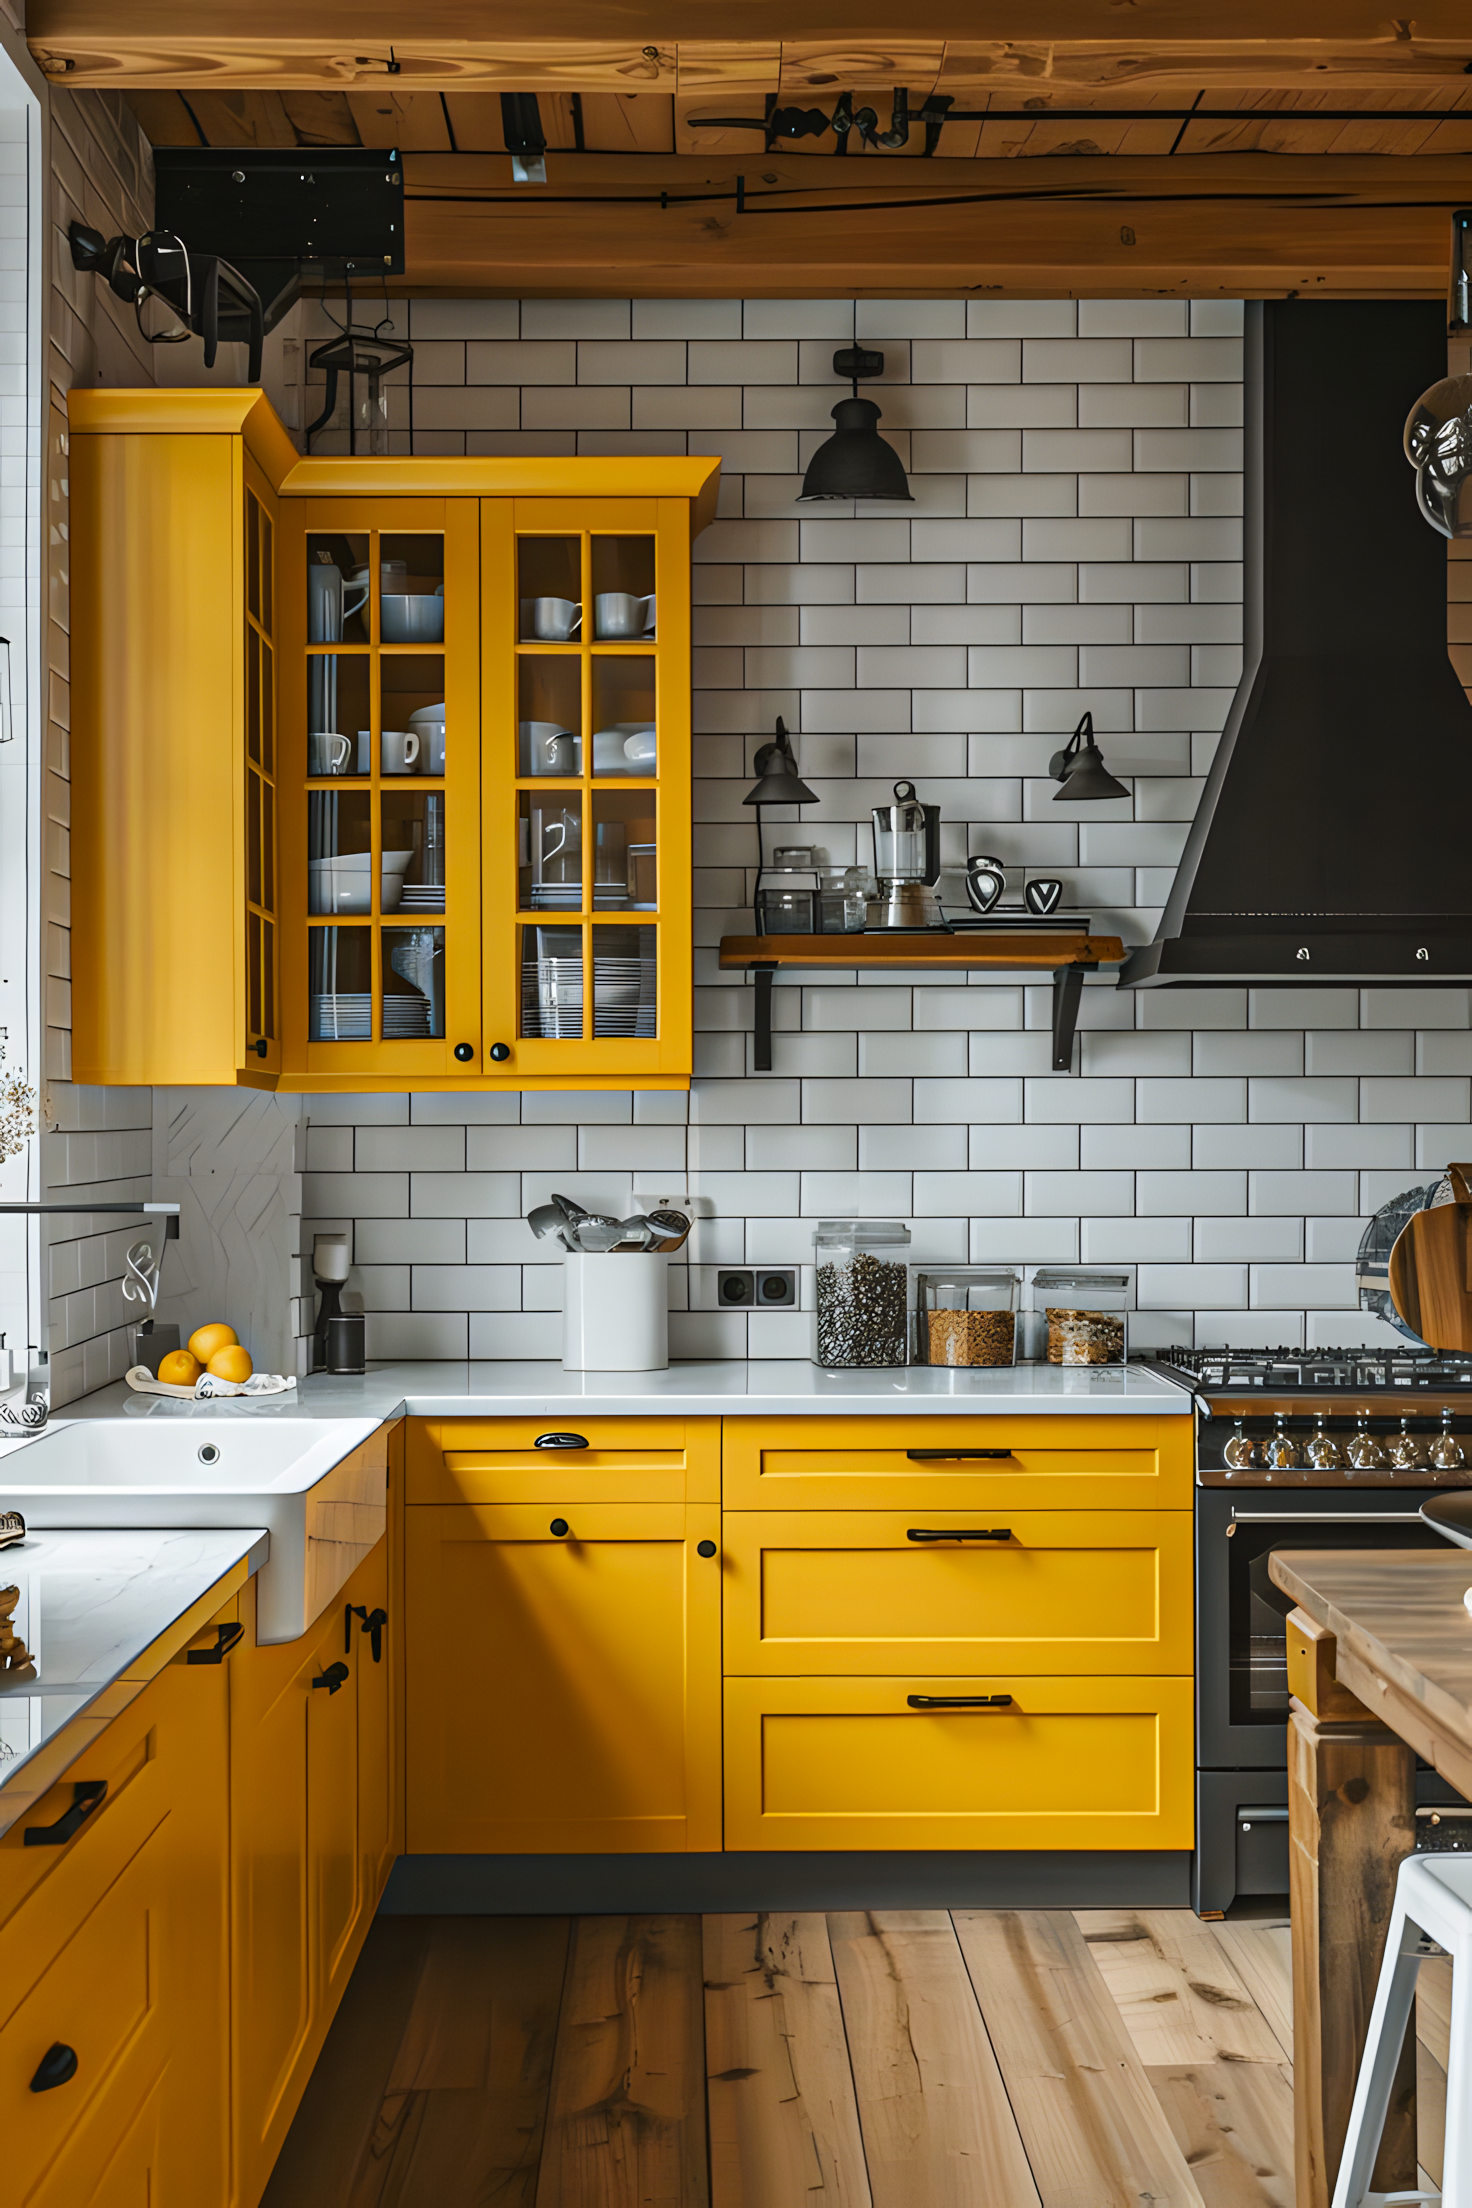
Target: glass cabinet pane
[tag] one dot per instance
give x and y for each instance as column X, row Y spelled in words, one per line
column 413, row 846
column 624, row 981
column 550, row 714
column 549, row 588
column 413, row 984
column 339, row 857
column 550, row 857
column 337, row 590
column 412, row 713
column 411, row 608
column 623, row 589
column 623, row 714
column 623, row 850
column 340, row 985
column 552, row 983
column 337, row 705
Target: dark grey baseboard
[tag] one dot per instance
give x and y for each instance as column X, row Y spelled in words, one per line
column 593, row 1885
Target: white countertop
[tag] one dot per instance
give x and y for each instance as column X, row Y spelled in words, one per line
column 775, row 1388
column 91, row 1603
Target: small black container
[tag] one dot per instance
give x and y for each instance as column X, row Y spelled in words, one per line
column 347, row 1343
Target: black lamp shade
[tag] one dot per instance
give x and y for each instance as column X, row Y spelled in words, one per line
column 1089, row 777
column 780, row 784
column 855, row 462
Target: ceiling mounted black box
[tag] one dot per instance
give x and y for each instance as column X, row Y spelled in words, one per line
column 341, row 205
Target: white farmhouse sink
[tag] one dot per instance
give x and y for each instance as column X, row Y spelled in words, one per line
column 320, row 1488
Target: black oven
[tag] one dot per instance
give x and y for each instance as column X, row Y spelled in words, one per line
column 1242, row 1670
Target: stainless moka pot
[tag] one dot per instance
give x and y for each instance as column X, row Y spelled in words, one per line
column 907, row 862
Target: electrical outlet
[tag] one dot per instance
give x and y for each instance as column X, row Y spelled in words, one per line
column 735, row 1287
column 776, row 1288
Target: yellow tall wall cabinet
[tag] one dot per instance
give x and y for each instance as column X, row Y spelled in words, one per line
column 380, row 767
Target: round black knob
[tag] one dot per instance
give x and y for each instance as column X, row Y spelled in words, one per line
column 58, row 2066
column 261, row 1048
column 705, row 1548
column 560, row 1528
column 465, row 1052
column 500, row 1052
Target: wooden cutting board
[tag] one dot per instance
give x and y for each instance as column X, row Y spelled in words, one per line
column 1431, row 1269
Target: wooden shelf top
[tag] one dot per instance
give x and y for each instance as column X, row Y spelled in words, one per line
column 1046, row 948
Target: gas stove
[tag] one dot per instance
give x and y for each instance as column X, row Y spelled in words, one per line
column 1351, row 1372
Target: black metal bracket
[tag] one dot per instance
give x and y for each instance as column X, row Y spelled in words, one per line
column 226, row 1637
column 762, row 1057
column 1068, row 982
column 87, row 1795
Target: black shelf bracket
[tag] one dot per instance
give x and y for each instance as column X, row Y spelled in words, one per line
column 1068, row 983
column 762, row 1058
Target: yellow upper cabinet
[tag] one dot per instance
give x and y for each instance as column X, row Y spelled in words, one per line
column 381, row 767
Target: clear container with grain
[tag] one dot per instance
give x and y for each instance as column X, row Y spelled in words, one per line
column 1086, row 1315
column 862, row 1293
column 967, row 1316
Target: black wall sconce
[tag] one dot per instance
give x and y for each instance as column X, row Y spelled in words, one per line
column 855, row 462
column 1080, row 768
column 779, row 784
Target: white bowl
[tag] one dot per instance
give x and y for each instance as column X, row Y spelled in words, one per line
column 345, row 883
column 411, row 619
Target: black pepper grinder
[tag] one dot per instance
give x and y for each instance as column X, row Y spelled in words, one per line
column 331, row 1258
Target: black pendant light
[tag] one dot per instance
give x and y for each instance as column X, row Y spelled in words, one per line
column 856, row 462
column 1080, row 768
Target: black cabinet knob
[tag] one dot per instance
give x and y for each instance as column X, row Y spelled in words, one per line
column 58, row 2066
column 262, row 1048
column 465, row 1052
column 560, row 1528
column 335, row 1676
column 500, row 1052
column 705, row 1548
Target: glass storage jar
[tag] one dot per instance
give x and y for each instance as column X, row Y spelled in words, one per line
column 863, row 1292
column 1086, row 1314
column 967, row 1316
column 784, row 911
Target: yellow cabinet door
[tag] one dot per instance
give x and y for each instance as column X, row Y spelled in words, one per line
column 128, row 1969
column 937, row 1761
column 572, row 1460
column 1033, row 1462
column 1067, row 1591
column 563, row 1678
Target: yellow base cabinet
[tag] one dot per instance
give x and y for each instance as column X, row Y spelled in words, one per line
column 381, row 766
column 563, row 1683
column 939, row 1761
column 114, row 1952
column 311, row 1764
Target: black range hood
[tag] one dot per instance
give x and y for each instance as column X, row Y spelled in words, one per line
column 1331, row 843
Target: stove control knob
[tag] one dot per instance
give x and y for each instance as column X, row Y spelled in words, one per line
column 1282, row 1451
column 1447, row 1453
column 1240, row 1453
column 1324, row 1452
column 1405, row 1450
column 1366, row 1452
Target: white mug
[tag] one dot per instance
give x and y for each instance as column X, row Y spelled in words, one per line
column 555, row 620
column 434, row 747
column 619, row 616
column 327, row 753
column 399, row 750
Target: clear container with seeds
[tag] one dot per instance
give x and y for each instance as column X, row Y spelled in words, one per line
column 967, row 1316
column 1086, row 1314
column 862, row 1293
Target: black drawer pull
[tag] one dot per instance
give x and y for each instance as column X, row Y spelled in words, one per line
column 335, row 1676
column 374, row 1622
column 87, row 1795
column 58, row 2066
column 958, row 1533
column 560, row 1441
column 933, row 1456
column 226, row 1637
column 959, row 1701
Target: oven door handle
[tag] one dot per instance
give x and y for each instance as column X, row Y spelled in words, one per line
column 1328, row 1518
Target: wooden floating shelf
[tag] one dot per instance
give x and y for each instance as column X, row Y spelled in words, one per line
column 1066, row 955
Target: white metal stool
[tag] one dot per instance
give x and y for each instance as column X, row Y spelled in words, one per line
column 1433, row 1909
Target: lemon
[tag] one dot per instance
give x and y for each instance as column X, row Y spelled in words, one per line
column 205, row 1340
column 231, row 1362
column 179, row 1369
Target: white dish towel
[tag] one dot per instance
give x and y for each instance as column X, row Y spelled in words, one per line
column 260, row 1383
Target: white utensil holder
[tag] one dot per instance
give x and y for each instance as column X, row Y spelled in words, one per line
column 615, row 1312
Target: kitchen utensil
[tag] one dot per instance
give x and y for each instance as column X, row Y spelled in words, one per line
column 571, row 1210
column 344, row 884
column 552, row 620
column 638, row 1233
column 907, row 861
column 546, row 1219
column 673, row 1227
column 985, row 881
column 1429, row 1269
column 598, row 1236
column 399, row 750
column 412, row 618
column 618, row 616
column 328, row 753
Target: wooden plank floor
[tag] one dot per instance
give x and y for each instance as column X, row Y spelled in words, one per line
column 1010, row 2058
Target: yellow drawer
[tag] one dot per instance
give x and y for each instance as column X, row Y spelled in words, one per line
column 627, row 1460
column 1046, row 1591
column 1047, row 1463
column 1066, row 1763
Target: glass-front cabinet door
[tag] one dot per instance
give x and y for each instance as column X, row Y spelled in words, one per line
column 380, row 814
column 586, row 790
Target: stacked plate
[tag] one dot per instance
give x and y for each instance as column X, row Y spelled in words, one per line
column 422, row 897
column 623, row 995
column 405, row 1017
column 342, row 1017
column 557, row 896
